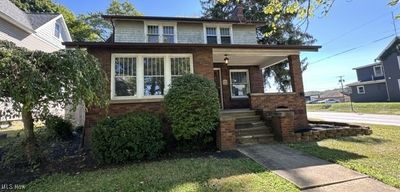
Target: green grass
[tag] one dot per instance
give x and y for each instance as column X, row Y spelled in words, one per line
column 373, row 108
column 377, row 155
column 195, row 174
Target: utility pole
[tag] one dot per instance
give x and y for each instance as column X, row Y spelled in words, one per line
column 341, row 81
column 394, row 24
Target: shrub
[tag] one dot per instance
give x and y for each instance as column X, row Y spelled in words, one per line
column 132, row 136
column 192, row 106
column 62, row 128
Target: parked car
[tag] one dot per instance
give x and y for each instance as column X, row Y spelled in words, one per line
column 328, row 101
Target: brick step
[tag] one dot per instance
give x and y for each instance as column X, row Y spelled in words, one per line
column 248, row 119
column 253, row 131
column 255, row 139
column 240, row 125
column 238, row 113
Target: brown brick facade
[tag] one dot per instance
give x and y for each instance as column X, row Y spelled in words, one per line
column 202, row 63
column 295, row 101
column 226, row 136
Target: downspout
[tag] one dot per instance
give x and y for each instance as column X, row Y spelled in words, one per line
column 113, row 30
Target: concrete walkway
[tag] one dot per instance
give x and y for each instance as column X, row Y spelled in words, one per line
column 309, row 173
column 356, row 118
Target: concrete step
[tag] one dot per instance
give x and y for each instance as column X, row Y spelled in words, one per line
column 255, row 139
column 240, row 125
column 248, row 119
column 253, row 131
column 238, row 113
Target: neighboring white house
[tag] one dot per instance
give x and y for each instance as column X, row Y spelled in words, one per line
column 44, row 31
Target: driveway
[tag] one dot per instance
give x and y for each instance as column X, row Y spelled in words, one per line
column 356, row 118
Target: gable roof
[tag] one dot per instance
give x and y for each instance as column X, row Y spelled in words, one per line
column 182, row 19
column 29, row 21
column 390, row 48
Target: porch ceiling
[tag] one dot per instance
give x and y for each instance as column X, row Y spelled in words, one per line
column 244, row 57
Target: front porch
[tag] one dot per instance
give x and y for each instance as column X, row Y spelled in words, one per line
column 248, row 115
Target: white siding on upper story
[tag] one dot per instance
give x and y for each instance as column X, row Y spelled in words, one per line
column 22, row 38
column 47, row 32
column 244, row 34
column 190, row 33
column 129, row 31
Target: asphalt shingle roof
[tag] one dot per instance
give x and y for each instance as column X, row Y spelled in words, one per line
column 31, row 21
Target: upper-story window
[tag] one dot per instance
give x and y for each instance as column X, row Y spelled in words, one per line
column 161, row 33
column 57, row 30
column 216, row 34
column 378, row 71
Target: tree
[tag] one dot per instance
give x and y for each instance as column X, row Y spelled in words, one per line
column 35, row 81
column 289, row 33
column 102, row 27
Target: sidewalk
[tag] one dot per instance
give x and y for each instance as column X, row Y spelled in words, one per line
column 356, row 118
column 309, row 173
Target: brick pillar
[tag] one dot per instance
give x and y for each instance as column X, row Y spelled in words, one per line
column 283, row 125
column 301, row 120
column 226, row 136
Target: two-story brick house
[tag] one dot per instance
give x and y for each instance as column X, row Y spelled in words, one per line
column 379, row 81
column 146, row 53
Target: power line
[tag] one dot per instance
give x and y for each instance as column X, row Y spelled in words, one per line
column 356, row 28
column 351, row 49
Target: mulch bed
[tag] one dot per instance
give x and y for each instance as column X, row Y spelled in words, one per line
column 69, row 157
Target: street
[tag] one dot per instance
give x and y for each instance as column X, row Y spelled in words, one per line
column 355, row 118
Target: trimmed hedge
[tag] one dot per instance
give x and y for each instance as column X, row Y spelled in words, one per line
column 192, row 106
column 133, row 136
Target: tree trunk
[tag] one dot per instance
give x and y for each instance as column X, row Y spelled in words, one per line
column 30, row 146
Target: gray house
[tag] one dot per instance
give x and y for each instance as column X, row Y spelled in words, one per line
column 379, row 81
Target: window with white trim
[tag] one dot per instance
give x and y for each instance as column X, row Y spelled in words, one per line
column 152, row 34
column 168, row 34
column 143, row 76
column 161, row 32
column 57, row 30
column 361, row 89
column 225, row 35
column 153, row 71
column 179, row 66
column 240, row 86
column 378, row 71
column 218, row 34
column 125, row 76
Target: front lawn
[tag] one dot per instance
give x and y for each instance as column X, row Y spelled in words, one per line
column 187, row 174
column 391, row 108
column 377, row 155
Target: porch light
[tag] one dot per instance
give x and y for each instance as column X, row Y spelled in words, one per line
column 226, row 59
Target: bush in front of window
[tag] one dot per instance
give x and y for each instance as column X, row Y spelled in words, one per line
column 133, row 136
column 192, row 106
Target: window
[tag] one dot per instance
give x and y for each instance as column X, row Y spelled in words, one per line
column 378, row 71
column 57, row 30
column 125, row 76
column 179, row 66
column 152, row 34
column 218, row 34
column 225, row 35
column 168, row 34
column 211, row 33
column 239, row 83
column 136, row 76
column 360, row 90
column 153, row 76
column 160, row 32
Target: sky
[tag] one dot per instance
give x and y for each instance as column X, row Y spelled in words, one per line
column 365, row 25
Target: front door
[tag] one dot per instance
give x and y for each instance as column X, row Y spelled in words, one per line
column 217, row 80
